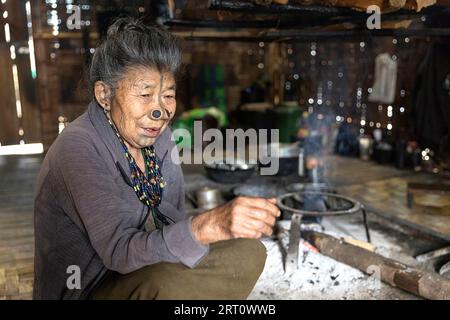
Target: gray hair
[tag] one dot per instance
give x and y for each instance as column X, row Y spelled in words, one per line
column 130, row 43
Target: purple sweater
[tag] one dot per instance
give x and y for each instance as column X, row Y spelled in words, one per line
column 86, row 215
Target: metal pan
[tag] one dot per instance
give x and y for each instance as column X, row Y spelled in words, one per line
column 230, row 173
column 257, row 190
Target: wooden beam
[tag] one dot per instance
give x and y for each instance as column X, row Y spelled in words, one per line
column 46, row 82
column 9, row 123
column 273, row 62
column 45, row 35
column 249, row 6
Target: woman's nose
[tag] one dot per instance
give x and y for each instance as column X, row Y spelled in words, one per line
column 160, row 113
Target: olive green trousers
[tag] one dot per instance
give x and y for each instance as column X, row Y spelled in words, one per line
column 229, row 271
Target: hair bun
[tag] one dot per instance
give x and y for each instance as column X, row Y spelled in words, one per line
column 130, row 42
column 125, row 24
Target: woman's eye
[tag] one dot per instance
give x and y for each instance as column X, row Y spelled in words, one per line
column 170, row 97
column 147, row 95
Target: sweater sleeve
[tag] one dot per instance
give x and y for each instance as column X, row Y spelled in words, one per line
column 107, row 219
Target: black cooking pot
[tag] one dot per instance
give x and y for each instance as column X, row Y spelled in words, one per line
column 384, row 153
column 266, row 190
column 230, row 173
column 288, row 158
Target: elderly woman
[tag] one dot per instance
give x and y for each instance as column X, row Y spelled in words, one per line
column 109, row 216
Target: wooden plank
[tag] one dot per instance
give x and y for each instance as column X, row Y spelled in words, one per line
column 47, row 80
column 30, row 110
column 9, row 123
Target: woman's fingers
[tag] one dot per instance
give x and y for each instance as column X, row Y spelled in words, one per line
column 262, row 215
column 252, row 228
column 260, row 226
column 262, row 203
column 249, row 234
column 253, row 219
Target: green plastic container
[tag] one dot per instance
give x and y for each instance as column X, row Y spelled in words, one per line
column 286, row 119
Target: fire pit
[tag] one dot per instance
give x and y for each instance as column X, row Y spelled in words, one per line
column 324, row 204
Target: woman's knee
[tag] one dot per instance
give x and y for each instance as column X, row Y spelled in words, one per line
column 156, row 282
column 260, row 252
column 244, row 258
column 256, row 255
column 252, row 259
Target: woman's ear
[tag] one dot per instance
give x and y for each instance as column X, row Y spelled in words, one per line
column 102, row 94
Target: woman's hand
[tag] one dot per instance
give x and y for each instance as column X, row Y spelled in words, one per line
column 243, row 217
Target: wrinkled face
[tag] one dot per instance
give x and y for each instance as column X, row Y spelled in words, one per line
column 139, row 94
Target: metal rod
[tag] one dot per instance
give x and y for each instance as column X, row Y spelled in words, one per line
column 291, row 260
column 366, row 225
column 308, row 34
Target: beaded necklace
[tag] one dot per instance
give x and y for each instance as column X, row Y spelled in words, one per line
column 149, row 189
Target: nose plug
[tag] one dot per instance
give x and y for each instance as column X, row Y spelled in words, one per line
column 157, row 114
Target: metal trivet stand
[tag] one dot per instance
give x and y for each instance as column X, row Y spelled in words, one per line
column 291, row 260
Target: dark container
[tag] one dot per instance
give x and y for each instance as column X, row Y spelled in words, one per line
column 225, row 173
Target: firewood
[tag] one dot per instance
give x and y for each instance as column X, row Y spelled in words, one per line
column 403, row 24
column 384, row 5
column 304, row 2
column 421, row 283
column 362, row 5
column 329, row 3
column 397, row 3
column 262, row 2
column 418, row 5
